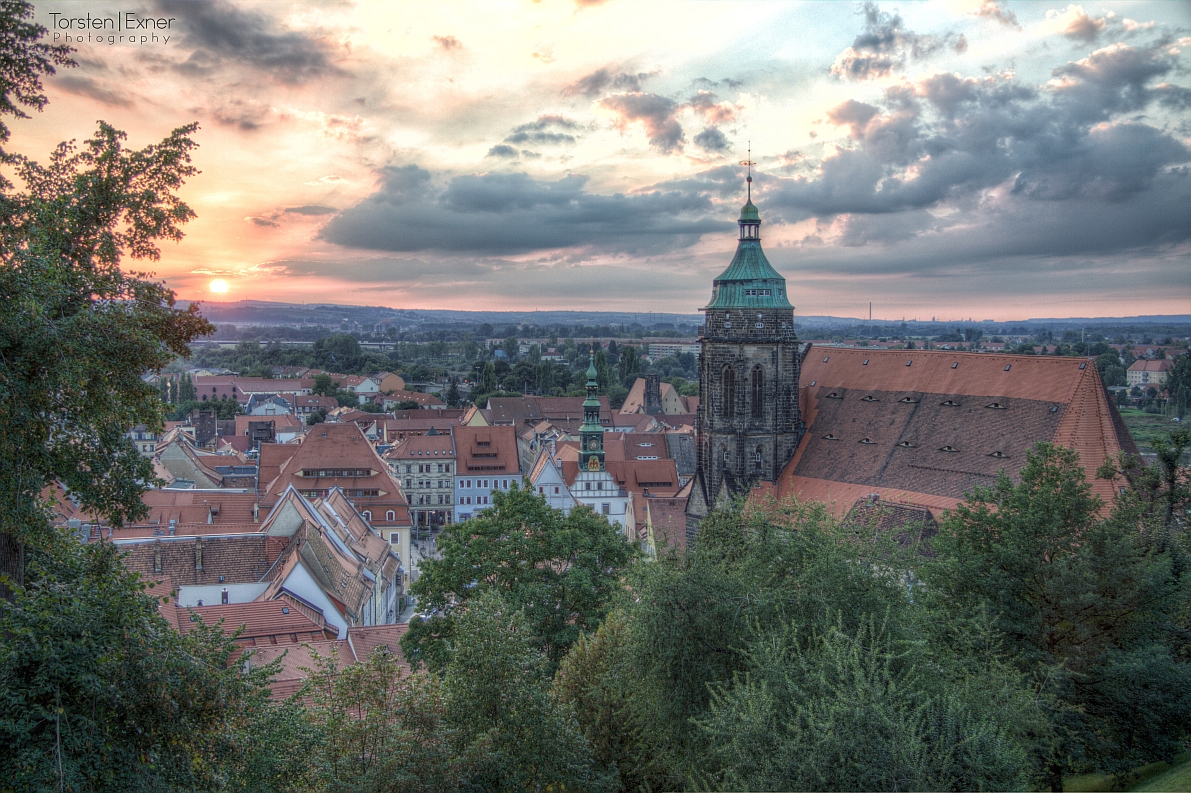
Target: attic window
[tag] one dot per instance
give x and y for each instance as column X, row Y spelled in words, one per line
column 999, row 455
column 909, row 362
column 285, row 609
column 908, row 400
column 955, row 365
column 951, row 403
column 868, row 441
column 830, row 437
column 870, row 398
column 813, row 382
column 1083, row 365
column 995, row 406
column 1007, row 366
column 907, row 445
column 948, row 449
column 1054, row 409
column 865, row 362
column 825, row 359
column 834, row 395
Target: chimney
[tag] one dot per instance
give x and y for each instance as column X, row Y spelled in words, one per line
column 173, row 526
column 223, row 596
column 256, row 512
column 198, row 554
column 157, row 556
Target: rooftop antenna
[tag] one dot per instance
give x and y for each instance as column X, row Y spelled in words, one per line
column 749, row 162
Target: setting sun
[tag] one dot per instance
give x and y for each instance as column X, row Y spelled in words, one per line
column 219, row 286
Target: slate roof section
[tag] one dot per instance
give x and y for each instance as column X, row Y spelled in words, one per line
column 240, row 559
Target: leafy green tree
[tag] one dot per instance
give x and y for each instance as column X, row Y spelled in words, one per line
column 339, row 352
column 452, row 397
column 26, row 59
column 77, row 332
column 1178, row 383
column 1159, row 492
column 324, row 385
column 1087, row 607
column 378, row 728
column 630, row 365
column 513, row 732
column 561, row 570
column 101, row 694
column 511, row 347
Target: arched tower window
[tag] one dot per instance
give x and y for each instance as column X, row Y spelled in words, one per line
column 729, row 393
column 758, row 392
column 757, row 459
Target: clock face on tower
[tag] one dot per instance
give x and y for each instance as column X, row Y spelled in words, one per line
column 593, row 444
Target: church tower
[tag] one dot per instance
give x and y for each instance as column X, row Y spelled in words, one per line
column 591, row 432
column 748, row 424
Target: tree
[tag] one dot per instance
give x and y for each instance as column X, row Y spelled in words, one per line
column 323, row 385
column 513, row 732
column 77, row 332
column 511, row 347
column 630, row 365
column 1178, row 383
column 100, row 693
column 378, row 728
column 26, row 59
column 560, row 569
column 452, row 396
column 1086, row 605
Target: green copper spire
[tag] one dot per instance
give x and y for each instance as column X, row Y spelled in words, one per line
column 750, row 282
column 591, row 433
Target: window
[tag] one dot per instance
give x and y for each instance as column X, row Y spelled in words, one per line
column 390, row 515
column 504, row 484
column 728, row 395
column 556, row 490
column 367, row 514
column 541, row 490
column 409, row 483
column 606, row 508
column 440, row 468
column 758, row 392
column 757, row 459
column 395, row 538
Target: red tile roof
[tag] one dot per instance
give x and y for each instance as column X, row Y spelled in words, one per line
column 486, row 450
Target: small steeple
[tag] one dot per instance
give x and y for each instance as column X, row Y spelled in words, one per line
column 591, row 432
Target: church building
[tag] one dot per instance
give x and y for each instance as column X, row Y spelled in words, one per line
column 911, row 430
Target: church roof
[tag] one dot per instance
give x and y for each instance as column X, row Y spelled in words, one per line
column 923, row 427
column 750, row 282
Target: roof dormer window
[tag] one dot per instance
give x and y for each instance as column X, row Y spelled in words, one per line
column 830, row 437
column 948, row 448
column 907, row 445
column 908, row 400
column 870, row 398
column 950, row 403
column 867, row 441
column 999, row 455
column 834, row 395
column 995, row 406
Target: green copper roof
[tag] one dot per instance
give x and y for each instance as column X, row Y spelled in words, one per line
column 749, row 282
column 592, row 374
column 749, row 212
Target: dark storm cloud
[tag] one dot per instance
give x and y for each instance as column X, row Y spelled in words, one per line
column 885, row 45
column 88, row 86
column 597, row 82
column 498, row 213
column 222, row 34
column 711, row 139
column 992, row 167
column 545, row 131
column 656, row 113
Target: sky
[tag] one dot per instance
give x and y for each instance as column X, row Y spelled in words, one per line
column 948, row 159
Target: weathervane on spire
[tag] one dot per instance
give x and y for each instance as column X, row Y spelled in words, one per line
column 749, row 162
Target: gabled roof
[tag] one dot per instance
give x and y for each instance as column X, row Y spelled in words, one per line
column 473, row 445
column 922, row 427
column 1143, row 365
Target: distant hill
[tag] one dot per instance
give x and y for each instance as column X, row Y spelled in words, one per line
column 260, row 312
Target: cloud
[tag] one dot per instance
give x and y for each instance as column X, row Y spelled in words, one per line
column 90, row 87
column 247, row 114
column 223, row 34
column 711, row 109
column 448, row 43
column 310, row 210
column 501, row 150
column 1079, row 26
column 885, row 45
column 990, row 9
column 500, row 214
column 259, row 221
column 540, row 131
column 656, row 113
column 997, row 167
column 595, row 83
column 711, row 139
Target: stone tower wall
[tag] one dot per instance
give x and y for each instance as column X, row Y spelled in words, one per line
column 742, row 342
